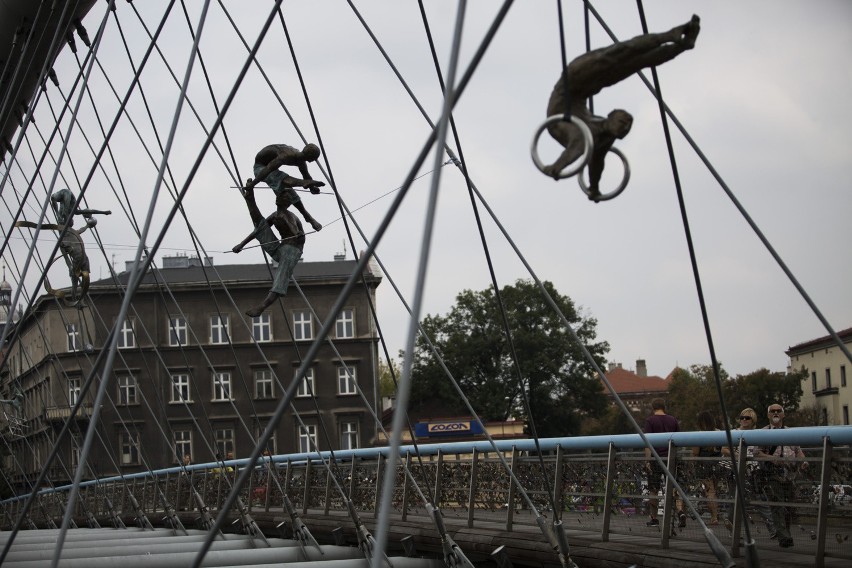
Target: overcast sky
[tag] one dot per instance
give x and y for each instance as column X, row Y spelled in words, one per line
column 765, row 96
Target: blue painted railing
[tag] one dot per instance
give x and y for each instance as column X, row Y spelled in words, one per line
column 599, row 483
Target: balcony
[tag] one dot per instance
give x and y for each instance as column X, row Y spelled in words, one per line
column 825, row 392
column 61, row 413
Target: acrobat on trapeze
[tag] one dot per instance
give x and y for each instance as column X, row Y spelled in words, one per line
column 70, row 244
column 587, row 138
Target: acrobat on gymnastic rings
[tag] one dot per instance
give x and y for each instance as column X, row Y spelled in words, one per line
column 70, row 245
column 557, row 171
column 591, row 136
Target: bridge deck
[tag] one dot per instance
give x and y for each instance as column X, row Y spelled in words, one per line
column 525, row 546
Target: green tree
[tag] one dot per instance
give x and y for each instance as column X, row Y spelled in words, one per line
column 692, row 391
column 561, row 384
column 612, row 421
column 387, row 373
column 761, row 388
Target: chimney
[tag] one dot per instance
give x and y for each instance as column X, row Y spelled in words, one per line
column 183, row 261
column 128, row 264
column 641, row 368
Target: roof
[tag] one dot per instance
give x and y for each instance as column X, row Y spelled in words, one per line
column 304, row 271
column 624, row 381
column 825, row 341
column 16, row 16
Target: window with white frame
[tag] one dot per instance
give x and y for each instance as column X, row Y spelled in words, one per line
column 346, row 380
column 126, row 335
column 224, row 441
column 183, row 444
column 263, row 385
column 74, row 386
column 303, row 325
column 180, row 388
column 74, row 343
column 344, row 326
column 307, row 438
column 349, row 434
column 272, row 445
column 261, row 327
column 221, row 385
column 129, row 443
column 127, row 390
column 306, row 386
column 219, row 329
column 178, row 331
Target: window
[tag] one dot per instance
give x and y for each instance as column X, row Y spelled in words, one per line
column 73, row 390
column 74, row 343
column 129, row 448
column 813, row 381
column 303, row 328
column 222, row 385
column 306, row 387
column 828, row 378
column 344, row 327
column 261, row 328
column 272, row 444
column 127, row 392
column 219, row 329
column 263, row 385
column 177, row 331
column 225, row 441
column 348, row 435
column 346, row 380
column 308, row 438
column 183, row 444
column 126, row 336
column 180, row 388
column 845, row 415
column 76, row 444
column 842, row 375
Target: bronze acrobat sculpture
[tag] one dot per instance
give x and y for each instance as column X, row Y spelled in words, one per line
column 586, row 76
column 70, row 244
column 286, row 252
column 266, row 164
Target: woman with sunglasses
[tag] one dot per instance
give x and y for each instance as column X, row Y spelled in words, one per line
column 748, row 421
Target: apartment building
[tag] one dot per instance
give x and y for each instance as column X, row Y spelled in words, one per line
column 192, row 373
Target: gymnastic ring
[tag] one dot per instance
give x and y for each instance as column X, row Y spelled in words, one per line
column 587, row 152
column 617, row 190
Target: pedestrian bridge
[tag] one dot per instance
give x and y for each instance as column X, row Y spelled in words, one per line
column 500, row 504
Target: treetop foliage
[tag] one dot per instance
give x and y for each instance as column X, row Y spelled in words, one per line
column 559, row 382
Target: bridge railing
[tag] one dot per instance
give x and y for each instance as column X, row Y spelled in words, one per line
column 595, row 484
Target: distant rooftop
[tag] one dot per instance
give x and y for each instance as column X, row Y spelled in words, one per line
column 824, row 341
column 187, row 270
column 624, row 381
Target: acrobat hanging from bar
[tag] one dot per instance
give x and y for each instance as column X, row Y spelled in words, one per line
column 266, row 164
column 70, row 244
column 590, row 137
